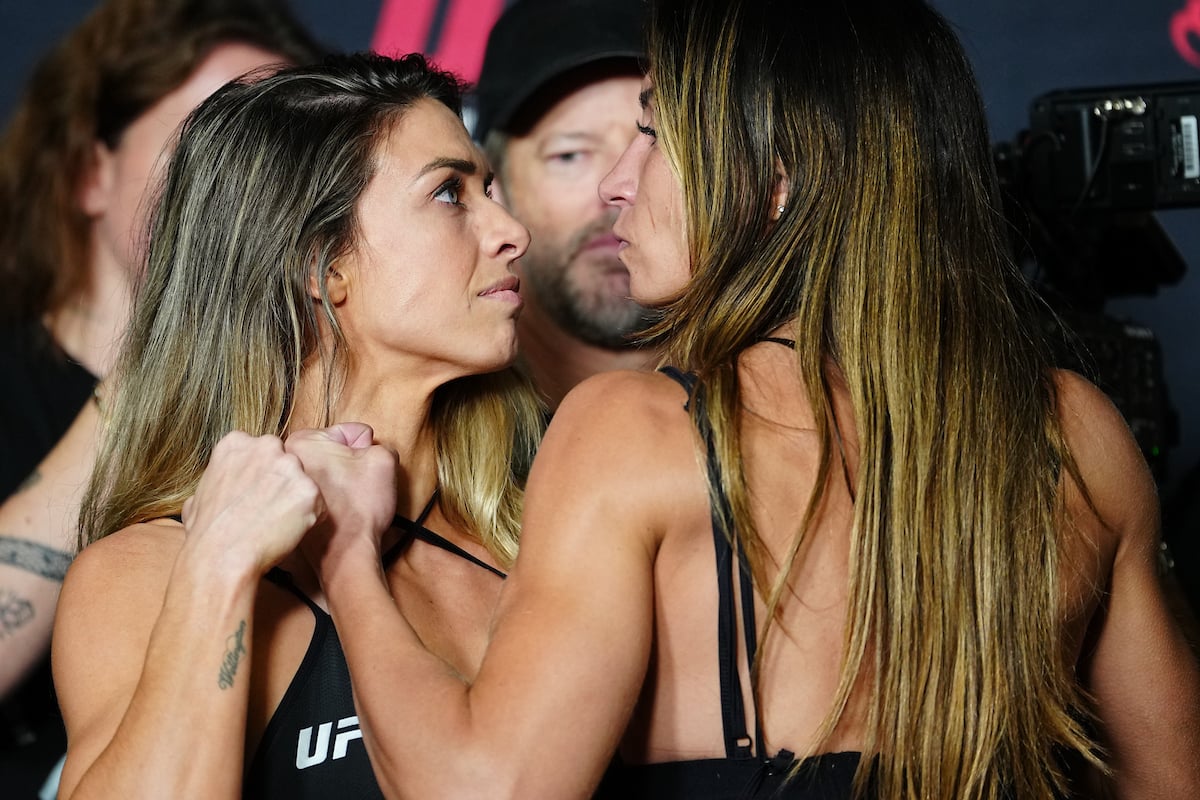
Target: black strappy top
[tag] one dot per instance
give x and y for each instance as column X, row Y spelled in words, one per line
column 312, row 746
column 744, row 772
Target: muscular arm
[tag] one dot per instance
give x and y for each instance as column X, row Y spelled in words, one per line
column 37, row 538
column 575, row 623
column 152, row 637
column 1141, row 671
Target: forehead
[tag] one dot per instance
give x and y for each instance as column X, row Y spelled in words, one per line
column 588, row 106
column 427, row 132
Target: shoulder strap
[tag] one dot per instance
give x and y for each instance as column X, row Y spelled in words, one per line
column 283, row 579
column 685, row 379
column 738, row 743
column 415, row 529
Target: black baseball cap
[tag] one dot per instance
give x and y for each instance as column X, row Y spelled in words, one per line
column 536, row 41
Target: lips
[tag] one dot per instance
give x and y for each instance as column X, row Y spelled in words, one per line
column 606, row 241
column 507, row 288
column 507, row 284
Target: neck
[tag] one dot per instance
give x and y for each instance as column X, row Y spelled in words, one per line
column 89, row 325
column 398, row 414
column 557, row 360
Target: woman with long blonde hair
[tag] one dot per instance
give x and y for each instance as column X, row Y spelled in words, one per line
column 861, row 538
column 325, row 249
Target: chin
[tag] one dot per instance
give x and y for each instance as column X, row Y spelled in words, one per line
column 504, row 357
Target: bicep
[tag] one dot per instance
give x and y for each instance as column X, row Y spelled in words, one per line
column 1140, row 669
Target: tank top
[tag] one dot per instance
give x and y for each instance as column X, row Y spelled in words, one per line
column 744, row 771
column 312, row 746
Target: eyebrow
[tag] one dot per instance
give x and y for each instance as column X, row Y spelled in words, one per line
column 457, row 164
column 645, row 96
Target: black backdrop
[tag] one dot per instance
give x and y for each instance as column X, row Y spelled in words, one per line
column 1021, row 48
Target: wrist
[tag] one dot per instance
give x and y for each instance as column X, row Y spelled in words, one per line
column 216, row 564
column 347, row 573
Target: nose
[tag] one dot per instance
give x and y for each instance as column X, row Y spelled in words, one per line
column 509, row 238
column 619, row 186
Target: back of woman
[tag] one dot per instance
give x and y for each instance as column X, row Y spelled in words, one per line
column 934, row 520
column 698, row 723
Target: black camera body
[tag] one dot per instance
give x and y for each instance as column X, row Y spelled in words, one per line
column 1081, row 187
column 1120, row 148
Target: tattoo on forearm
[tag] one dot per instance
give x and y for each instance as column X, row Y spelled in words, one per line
column 33, row 557
column 15, row 612
column 34, row 479
column 235, row 649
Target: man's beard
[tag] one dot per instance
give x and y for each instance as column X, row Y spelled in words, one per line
column 561, row 280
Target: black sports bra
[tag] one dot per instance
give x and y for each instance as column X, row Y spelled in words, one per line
column 311, row 747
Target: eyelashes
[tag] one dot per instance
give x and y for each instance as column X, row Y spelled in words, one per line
column 451, row 191
column 646, row 130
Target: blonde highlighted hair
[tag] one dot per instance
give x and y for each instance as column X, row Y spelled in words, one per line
column 890, row 262
column 260, row 198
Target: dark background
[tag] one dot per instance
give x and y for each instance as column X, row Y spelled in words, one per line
column 1021, row 49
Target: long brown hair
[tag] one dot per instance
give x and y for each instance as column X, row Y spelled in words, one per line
column 121, row 60
column 259, row 198
column 889, row 261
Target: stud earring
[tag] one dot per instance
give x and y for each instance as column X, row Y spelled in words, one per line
column 779, row 209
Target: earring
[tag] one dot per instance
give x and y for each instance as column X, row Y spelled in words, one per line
column 779, row 209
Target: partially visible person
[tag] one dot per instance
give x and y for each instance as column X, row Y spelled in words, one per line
column 864, row 540
column 325, row 249
column 77, row 163
column 555, row 101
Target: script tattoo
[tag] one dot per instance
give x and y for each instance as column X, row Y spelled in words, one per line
column 33, row 557
column 235, row 649
column 15, row 611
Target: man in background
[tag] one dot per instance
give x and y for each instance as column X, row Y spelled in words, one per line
column 557, row 103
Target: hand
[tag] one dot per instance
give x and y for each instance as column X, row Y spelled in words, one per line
column 252, row 495
column 357, row 479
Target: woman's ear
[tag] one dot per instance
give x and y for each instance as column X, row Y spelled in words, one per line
column 779, row 195
column 95, row 189
column 336, row 285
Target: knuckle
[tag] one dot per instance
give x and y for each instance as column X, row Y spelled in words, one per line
column 229, row 442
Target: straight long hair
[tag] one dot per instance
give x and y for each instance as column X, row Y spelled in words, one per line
column 890, row 262
column 260, row 198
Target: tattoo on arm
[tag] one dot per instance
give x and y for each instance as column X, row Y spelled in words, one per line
column 33, row 557
column 235, row 649
column 15, row 611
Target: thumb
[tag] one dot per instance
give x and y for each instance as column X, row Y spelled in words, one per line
column 355, row 435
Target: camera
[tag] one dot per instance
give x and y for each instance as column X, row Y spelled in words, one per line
column 1080, row 188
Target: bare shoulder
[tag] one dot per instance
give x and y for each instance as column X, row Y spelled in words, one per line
column 122, row 562
column 620, row 434
column 112, row 594
column 621, row 424
column 623, row 403
column 1115, row 474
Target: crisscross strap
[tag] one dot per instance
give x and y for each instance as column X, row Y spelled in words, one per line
column 415, row 529
column 738, row 743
